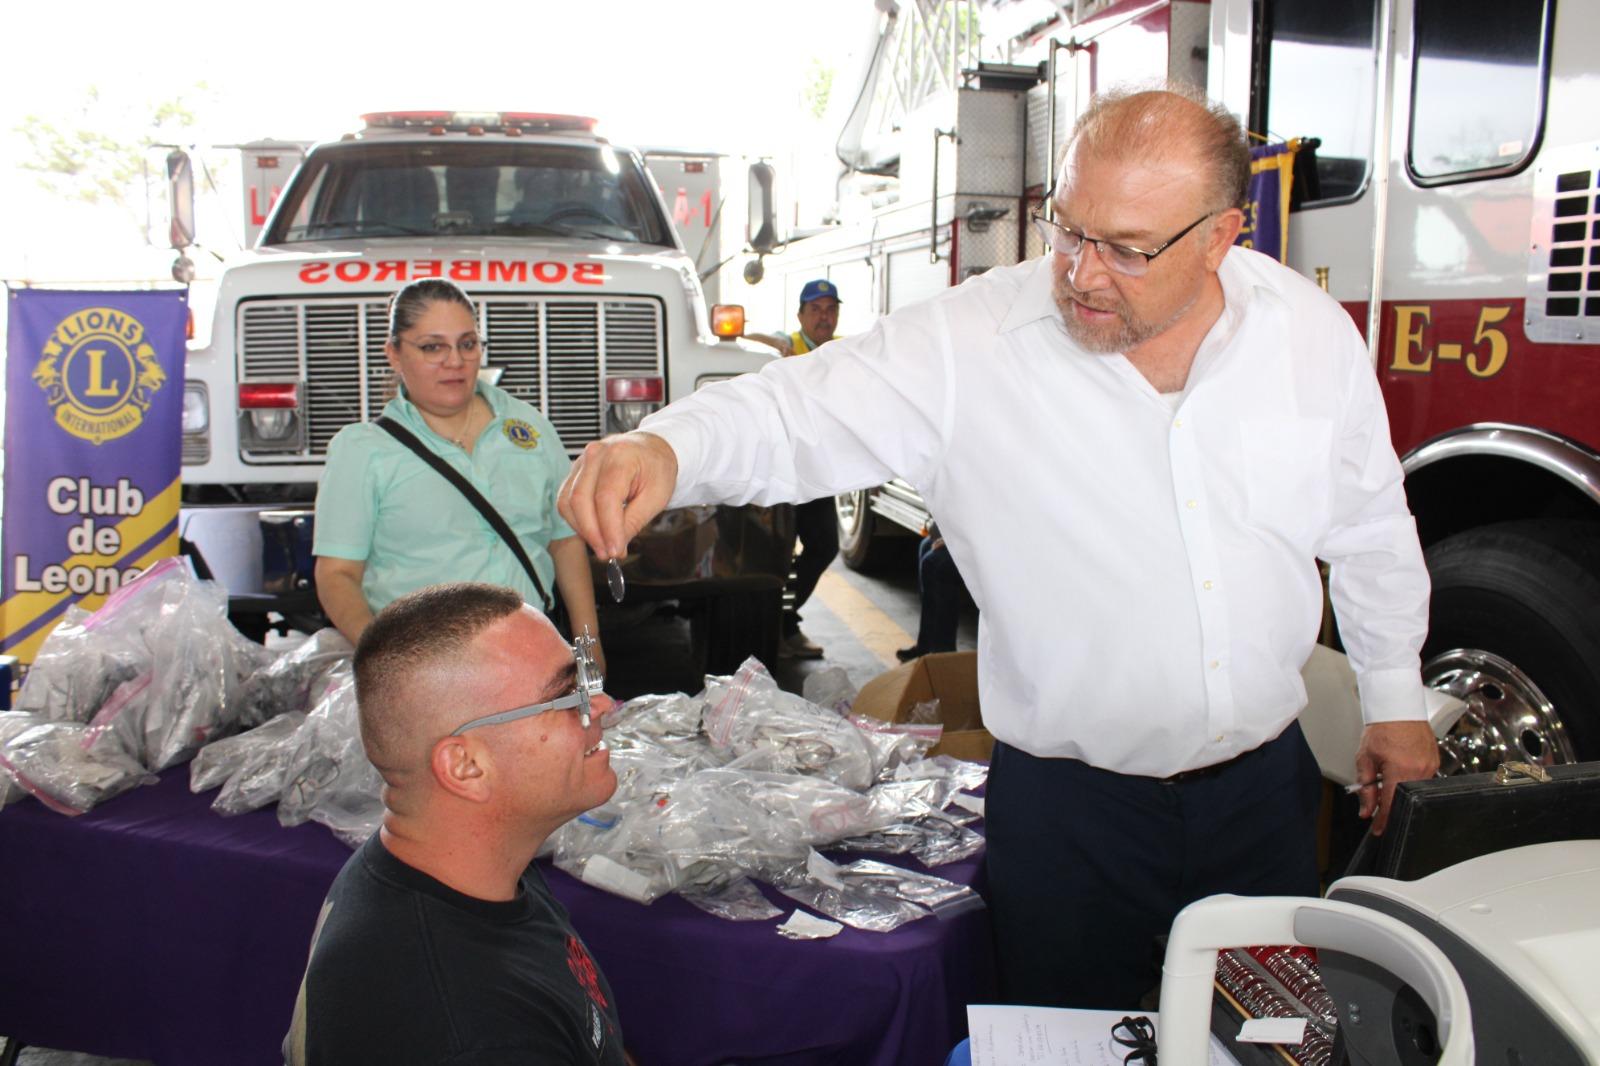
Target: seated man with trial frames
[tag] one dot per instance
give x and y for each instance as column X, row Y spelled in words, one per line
column 440, row 941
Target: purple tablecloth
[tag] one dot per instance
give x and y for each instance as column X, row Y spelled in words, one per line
column 151, row 928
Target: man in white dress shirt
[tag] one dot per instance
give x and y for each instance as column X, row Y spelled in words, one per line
column 1138, row 447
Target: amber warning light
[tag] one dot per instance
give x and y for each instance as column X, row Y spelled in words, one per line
column 727, row 321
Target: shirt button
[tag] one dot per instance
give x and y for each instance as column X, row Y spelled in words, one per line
column 1177, row 423
column 1206, row 586
column 1214, row 664
column 1218, row 738
column 1191, row 504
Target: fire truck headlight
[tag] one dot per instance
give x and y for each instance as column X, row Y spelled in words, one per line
column 629, row 400
column 196, row 410
column 273, row 424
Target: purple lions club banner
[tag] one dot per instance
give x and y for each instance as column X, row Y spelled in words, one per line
column 1266, row 209
column 94, row 407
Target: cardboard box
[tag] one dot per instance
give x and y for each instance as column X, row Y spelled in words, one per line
column 952, row 677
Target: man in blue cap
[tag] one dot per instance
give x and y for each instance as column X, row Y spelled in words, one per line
column 815, row 521
column 818, row 315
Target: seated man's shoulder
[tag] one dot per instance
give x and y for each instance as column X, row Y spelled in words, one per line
column 403, row 964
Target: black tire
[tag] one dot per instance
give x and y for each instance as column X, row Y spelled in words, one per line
column 731, row 627
column 861, row 546
column 1527, row 593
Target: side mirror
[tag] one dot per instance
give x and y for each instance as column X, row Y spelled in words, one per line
column 762, row 228
column 180, row 193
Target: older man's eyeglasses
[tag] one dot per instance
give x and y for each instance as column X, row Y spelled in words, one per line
column 590, row 684
column 437, row 351
column 1124, row 259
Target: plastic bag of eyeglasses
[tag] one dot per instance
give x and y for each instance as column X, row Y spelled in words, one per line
column 830, row 688
column 750, row 713
column 669, row 724
column 187, row 690
column 911, row 797
column 873, row 896
column 78, row 667
column 256, row 767
column 893, row 744
column 220, row 760
column 933, row 839
column 730, row 819
column 726, row 893
column 742, row 814
column 625, row 831
column 291, row 680
column 53, row 762
column 11, row 724
column 963, row 775
column 607, row 849
column 328, row 777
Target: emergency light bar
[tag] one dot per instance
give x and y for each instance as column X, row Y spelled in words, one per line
column 510, row 122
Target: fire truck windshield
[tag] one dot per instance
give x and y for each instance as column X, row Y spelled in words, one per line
column 468, row 189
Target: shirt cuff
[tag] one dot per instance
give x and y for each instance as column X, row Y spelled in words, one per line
column 354, row 553
column 683, row 437
column 1392, row 696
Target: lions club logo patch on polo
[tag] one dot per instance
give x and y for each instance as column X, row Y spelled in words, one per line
column 99, row 374
column 521, row 434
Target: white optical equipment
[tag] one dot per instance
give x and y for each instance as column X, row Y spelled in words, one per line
column 1217, row 922
column 1492, row 960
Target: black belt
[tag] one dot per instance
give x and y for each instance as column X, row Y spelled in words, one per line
column 1209, row 771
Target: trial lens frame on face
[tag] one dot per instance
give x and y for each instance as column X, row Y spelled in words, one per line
column 590, row 684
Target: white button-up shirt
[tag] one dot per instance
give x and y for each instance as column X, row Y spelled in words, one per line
column 1145, row 573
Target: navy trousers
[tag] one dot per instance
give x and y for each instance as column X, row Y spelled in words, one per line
column 942, row 591
column 817, row 525
column 1087, row 867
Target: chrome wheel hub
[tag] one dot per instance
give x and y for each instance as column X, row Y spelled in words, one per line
column 1507, row 717
column 850, row 506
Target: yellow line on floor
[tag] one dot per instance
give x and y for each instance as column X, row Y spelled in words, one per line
column 879, row 633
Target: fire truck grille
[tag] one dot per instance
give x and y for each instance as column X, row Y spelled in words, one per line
column 555, row 353
column 1564, row 249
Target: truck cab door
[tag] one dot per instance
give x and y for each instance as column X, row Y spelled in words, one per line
column 1295, row 69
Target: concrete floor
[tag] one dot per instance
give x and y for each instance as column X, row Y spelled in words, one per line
column 858, row 619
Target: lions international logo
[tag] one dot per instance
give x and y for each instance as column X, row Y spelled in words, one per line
column 99, row 374
column 521, row 434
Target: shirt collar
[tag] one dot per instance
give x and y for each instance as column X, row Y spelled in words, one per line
column 1240, row 293
column 494, row 397
column 1034, row 300
column 1240, row 289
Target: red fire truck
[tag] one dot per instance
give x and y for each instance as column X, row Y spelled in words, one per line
column 1447, row 194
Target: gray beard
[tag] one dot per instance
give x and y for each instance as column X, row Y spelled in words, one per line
column 1128, row 334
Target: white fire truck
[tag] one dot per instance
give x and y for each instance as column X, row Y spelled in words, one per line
column 1447, row 194
column 589, row 307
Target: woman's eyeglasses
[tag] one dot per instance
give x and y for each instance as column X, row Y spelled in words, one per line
column 436, row 351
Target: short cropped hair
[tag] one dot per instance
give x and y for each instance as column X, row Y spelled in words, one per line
column 412, row 635
column 1144, row 123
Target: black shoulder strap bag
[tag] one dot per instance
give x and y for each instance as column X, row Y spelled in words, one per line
column 474, row 497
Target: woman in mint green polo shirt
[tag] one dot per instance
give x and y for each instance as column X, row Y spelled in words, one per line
column 388, row 523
